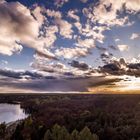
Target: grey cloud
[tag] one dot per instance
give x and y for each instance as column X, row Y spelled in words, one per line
column 79, row 65
column 19, row 74
column 113, row 47
column 121, row 68
column 101, row 48
column 77, row 84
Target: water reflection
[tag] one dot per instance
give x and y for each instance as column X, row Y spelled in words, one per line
column 10, row 113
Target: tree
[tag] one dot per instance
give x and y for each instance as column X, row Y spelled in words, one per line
column 47, row 135
column 2, row 130
column 86, row 134
column 60, row 133
column 75, row 135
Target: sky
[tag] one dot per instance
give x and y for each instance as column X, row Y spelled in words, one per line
column 89, row 46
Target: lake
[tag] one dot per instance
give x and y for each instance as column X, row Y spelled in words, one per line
column 11, row 112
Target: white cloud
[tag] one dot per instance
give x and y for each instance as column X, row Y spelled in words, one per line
column 65, row 28
column 72, row 14
column 54, row 14
column 123, row 47
column 87, row 43
column 135, row 36
column 69, row 53
column 4, row 62
column 106, row 12
column 117, row 40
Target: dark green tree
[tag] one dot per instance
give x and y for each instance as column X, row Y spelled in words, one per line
column 86, row 134
column 47, row 135
column 2, row 130
column 75, row 135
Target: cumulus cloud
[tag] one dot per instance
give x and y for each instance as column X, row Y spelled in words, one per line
column 39, row 28
column 20, row 26
column 135, row 36
column 107, row 12
column 123, row 47
column 87, row 43
column 65, row 28
column 72, row 52
column 121, row 67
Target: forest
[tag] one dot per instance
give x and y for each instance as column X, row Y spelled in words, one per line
column 75, row 117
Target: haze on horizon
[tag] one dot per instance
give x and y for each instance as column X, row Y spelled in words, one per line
column 89, row 46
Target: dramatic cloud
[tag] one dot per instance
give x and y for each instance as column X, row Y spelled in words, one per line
column 14, row 83
column 24, row 26
column 63, row 36
column 120, row 67
column 19, row 74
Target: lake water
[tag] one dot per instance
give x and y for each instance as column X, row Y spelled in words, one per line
column 11, row 112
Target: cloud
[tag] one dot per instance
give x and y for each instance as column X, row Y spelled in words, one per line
column 69, row 53
column 120, row 67
column 60, row 3
column 79, row 65
column 4, row 62
column 53, row 13
column 109, row 12
column 22, row 26
column 72, row 14
column 65, row 28
column 14, row 83
column 106, row 56
column 84, row 1
column 101, row 48
column 123, row 47
column 87, row 43
column 135, row 36
column 21, row 74
column 117, row 40
column 112, row 47
column 46, row 54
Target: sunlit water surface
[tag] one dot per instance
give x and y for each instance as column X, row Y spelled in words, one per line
column 11, row 112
